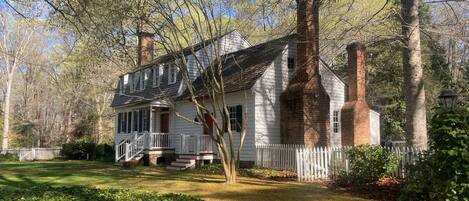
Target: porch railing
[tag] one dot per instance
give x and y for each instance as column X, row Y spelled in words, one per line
column 160, row 140
column 189, row 144
column 121, row 150
column 136, row 147
column 196, row 144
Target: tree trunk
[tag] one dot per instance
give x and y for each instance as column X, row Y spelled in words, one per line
column 6, row 114
column 414, row 91
column 229, row 166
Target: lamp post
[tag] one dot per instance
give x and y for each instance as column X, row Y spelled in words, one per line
column 447, row 99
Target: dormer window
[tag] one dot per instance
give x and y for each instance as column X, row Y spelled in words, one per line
column 157, row 75
column 137, row 81
column 146, row 77
column 291, row 63
column 123, row 82
column 172, row 73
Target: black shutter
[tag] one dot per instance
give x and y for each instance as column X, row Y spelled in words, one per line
column 135, row 120
column 140, row 120
column 239, row 117
column 129, row 122
column 119, row 118
column 124, row 122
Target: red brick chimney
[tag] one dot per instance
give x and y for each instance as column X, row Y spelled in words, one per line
column 305, row 103
column 355, row 115
column 145, row 48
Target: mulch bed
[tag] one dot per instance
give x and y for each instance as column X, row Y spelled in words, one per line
column 386, row 188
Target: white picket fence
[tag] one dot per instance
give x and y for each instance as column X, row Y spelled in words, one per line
column 34, row 153
column 277, row 156
column 320, row 162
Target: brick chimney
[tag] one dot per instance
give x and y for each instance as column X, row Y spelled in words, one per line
column 145, row 48
column 304, row 103
column 355, row 115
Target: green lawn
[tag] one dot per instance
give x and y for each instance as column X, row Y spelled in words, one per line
column 207, row 187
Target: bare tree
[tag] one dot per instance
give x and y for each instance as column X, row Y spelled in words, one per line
column 414, row 90
column 15, row 46
column 207, row 93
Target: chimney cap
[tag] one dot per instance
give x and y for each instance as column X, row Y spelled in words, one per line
column 356, row 46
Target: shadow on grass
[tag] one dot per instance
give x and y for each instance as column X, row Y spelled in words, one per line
column 68, row 173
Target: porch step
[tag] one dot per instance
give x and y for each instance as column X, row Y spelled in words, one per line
column 184, row 160
column 175, row 168
column 182, row 163
column 188, row 157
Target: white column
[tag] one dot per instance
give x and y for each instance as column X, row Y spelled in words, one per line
column 150, row 128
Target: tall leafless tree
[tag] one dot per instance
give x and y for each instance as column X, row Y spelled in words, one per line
column 14, row 48
column 414, row 87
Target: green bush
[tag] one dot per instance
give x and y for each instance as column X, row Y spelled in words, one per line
column 214, row 168
column 88, row 151
column 79, row 151
column 105, row 152
column 442, row 173
column 48, row 193
column 9, row 157
column 368, row 163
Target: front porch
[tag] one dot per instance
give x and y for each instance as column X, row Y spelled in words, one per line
column 167, row 145
column 150, row 130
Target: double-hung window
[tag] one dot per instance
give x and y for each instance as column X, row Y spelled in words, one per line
column 146, row 77
column 172, row 73
column 235, row 118
column 123, row 83
column 131, row 83
column 157, row 75
column 138, row 81
column 335, row 122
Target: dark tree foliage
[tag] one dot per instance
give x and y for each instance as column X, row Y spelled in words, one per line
column 442, row 173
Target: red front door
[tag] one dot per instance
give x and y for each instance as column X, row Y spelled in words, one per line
column 209, row 129
column 164, row 123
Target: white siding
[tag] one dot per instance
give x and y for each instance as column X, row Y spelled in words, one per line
column 186, row 109
column 335, row 88
column 271, row 85
column 375, row 127
column 267, row 92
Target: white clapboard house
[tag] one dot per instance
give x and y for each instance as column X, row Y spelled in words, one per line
column 146, row 123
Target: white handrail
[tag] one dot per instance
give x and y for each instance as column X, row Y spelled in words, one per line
column 134, row 148
column 121, row 150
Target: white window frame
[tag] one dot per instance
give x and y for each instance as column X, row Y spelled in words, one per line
column 142, row 83
column 233, row 119
column 157, row 75
column 146, row 77
column 137, row 78
column 335, row 122
column 131, row 83
column 172, row 68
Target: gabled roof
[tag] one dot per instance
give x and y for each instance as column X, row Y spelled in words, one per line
column 243, row 68
column 186, row 51
column 164, row 90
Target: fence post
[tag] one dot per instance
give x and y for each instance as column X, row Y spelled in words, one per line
column 34, row 154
